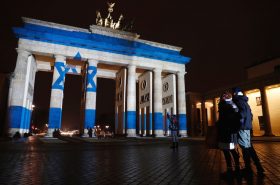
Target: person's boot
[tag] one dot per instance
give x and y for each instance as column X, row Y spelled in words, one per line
column 235, row 155
column 237, row 169
column 256, row 160
column 173, row 145
column 247, row 171
column 260, row 170
column 228, row 175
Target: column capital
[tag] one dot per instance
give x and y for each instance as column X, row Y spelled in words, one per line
column 23, row 52
column 131, row 66
column 157, row 70
column 60, row 58
column 181, row 73
column 131, row 69
column 92, row 62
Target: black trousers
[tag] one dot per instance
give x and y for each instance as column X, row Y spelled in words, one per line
column 234, row 153
column 249, row 153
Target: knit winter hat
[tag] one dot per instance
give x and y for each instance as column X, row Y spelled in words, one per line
column 237, row 91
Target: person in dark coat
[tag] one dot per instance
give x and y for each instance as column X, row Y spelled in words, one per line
column 174, row 130
column 244, row 134
column 228, row 125
column 90, row 132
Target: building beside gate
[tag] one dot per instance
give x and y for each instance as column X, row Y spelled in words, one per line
column 263, row 90
column 4, row 88
column 99, row 52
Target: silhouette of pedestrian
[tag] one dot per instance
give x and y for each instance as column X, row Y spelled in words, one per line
column 90, row 132
column 228, row 126
column 174, row 130
column 244, row 134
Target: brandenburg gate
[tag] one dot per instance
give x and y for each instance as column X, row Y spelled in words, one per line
column 102, row 51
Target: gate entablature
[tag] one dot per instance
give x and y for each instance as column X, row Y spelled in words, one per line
column 51, row 38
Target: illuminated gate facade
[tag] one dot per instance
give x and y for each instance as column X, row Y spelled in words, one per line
column 98, row 52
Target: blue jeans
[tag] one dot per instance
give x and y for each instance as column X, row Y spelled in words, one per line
column 244, row 138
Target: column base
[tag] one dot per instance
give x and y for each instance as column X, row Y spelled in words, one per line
column 12, row 131
column 144, row 133
column 22, row 131
column 183, row 133
column 85, row 134
column 168, row 133
column 50, row 132
column 159, row 133
column 131, row 133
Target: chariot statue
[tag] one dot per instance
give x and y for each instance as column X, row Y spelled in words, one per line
column 109, row 21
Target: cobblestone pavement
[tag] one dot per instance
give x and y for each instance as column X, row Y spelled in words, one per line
column 76, row 163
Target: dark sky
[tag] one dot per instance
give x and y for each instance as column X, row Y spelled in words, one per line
column 222, row 37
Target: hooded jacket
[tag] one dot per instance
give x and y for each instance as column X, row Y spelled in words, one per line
column 228, row 124
column 245, row 111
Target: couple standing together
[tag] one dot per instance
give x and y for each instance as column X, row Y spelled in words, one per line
column 234, row 127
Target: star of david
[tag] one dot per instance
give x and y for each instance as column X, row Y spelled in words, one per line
column 91, row 86
column 59, row 83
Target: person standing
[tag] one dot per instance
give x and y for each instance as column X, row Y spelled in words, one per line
column 90, row 132
column 244, row 134
column 228, row 125
column 174, row 130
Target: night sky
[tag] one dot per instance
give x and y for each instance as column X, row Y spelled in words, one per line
column 221, row 37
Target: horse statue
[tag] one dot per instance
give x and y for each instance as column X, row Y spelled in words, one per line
column 99, row 20
column 117, row 25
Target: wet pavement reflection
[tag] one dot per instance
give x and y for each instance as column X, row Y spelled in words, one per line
column 85, row 163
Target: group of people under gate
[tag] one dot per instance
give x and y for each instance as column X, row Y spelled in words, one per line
column 234, row 128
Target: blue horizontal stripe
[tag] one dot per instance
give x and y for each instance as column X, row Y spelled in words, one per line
column 97, row 37
column 27, row 116
column 18, row 117
column 145, row 121
column 124, row 120
column 98, row 42
column 89, row 118
column 55, row 118
column 158, row 118
column 182, row 122
column 131, row 119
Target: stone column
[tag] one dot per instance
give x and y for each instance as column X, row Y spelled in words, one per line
column 90, row 108
column 182, row 104
column 145, row 122
column 215, row 119
column 131, row 101
column 140, row 121
column 18, row 94
column 29, row 89
column 168, row 122
column 158, row 118
column 150, row 120
column 25, row 127
column 116, row 120
column 204, row 119
column 55, row 113
column 266, row 116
